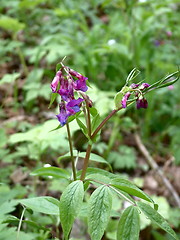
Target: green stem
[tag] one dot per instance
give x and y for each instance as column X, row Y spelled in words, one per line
column 71, row 151
column 20, row 223
column 21, row 57
column 88, row 151
column 104, row 122
column 88, row 120
column 86, row 162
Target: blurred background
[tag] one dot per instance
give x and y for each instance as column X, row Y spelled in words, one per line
column 104, row 40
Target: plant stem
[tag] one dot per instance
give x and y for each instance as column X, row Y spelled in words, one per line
column 21, row 57
column 71, row 151
column 88, row 120
column 20, row 223
column 104, row 122
column 86, row 162
column 88, row 151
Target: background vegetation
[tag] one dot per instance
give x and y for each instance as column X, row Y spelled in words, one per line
column 104, row 40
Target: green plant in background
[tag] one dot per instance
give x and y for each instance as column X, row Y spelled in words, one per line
column 71, row 86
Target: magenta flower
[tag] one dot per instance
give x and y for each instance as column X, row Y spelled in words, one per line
column 55, row 81
column 141, row 102
column 66, row 89
column 137, row 91
column 80, row 83
column 144, row 85
column 69, row 109
column 134, row 85
column 124, row 99
column 66, row 83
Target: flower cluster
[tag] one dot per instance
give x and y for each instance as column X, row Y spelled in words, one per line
column 137, row 90
column 66, row 85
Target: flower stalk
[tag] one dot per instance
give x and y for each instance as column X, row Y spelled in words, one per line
column 71, row 151
column 86, row 162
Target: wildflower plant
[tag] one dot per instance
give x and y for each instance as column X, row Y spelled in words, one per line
column 72, row 88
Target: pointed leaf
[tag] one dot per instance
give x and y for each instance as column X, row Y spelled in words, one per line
column 93, row 111
column 125, row 196
column 131, row 189
column 129, row 226
column 100, row 204
column 93, row 157
column 95, row 122
column 70, row 205
column 117, row 99
column 51, row 171
column 96, row 158
column 67, row 155
column 155, row 217
column 82, row 126
column 58, row 66
column 91, row 171
column 53, row 97
column 133, row 74
column 47, row 205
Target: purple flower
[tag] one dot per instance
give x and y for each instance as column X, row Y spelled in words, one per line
column 144, row 85
column 141, row 102
column 55, row 81
column 69, row 109
column 73, row 105
column 66, row 89
column 80, row 83
column 133, row 85
column 124, row 99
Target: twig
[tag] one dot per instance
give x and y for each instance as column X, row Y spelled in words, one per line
column 155, row 167
column 71, row 150
column 20, row 223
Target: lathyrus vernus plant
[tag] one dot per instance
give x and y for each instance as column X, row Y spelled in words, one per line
column 71, row 86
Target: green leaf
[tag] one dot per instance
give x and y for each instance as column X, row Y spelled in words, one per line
column 96, row 158
column 131, row 189
column 9, row 78
column 58, row 66
column 47, row 205
column 123, row 195
column 100, row 204
column 93, row 111
column 67, row 155
column 129, row 224
column 133, row 74
column 51, row 171
column 117, row 99
column 168, row 80
column 70, row 205
column 155, row 217
column 11, row 24
column 82, row 126
column 91, row 171
column 95, row 122
column 93, row 157
column 53, row 97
